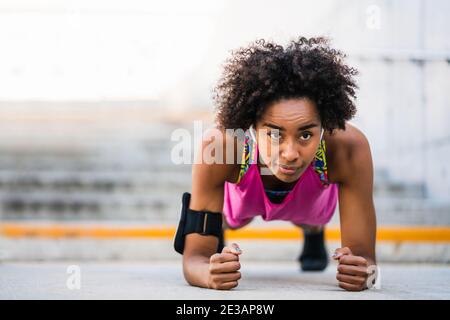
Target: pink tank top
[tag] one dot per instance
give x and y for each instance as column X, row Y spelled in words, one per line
column 312, row 201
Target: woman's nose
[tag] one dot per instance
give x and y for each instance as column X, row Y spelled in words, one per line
column 289, row 152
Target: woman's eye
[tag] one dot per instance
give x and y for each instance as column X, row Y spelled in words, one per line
column 305, row 136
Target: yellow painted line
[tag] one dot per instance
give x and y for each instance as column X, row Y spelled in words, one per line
column 18, row 230
column 385, row 233
column 54, row 231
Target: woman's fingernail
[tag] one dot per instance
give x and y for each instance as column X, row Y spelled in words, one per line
column 237, row 249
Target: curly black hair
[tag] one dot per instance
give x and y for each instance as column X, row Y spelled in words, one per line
column 256, row 76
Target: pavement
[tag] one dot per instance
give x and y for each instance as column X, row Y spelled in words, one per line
column 164, row 280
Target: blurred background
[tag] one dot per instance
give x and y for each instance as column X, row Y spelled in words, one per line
column 91, row 91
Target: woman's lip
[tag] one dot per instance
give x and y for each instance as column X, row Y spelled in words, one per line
column 287, row 169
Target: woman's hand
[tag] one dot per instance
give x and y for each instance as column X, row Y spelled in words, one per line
column 223, row 268
column 352, row 271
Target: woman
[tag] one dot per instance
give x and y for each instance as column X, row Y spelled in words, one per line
column 300, row 155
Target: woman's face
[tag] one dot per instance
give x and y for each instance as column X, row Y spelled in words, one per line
column 288, row 151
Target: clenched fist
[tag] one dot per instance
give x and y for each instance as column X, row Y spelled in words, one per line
column 352, row 271
column 223, row 268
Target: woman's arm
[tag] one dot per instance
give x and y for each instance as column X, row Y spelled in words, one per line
column 202, row 266
column 357, row 215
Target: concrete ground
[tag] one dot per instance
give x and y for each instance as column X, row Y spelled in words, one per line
column 164, row 280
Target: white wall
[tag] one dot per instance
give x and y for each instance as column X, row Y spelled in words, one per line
column 173, row 51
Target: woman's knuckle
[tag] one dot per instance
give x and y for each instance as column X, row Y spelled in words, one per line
column 219, row 287
column 215, row 257
column 216, row 268
column 227, row 286
column 212, row 285
column 362, row 271
column 228, row 257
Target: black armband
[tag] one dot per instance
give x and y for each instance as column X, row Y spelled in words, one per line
column 193, row 221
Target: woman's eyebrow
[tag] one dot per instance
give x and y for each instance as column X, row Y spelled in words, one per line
column 304, row 127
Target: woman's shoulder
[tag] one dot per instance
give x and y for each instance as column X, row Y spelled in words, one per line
column 341, row 146
column 220, row 152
